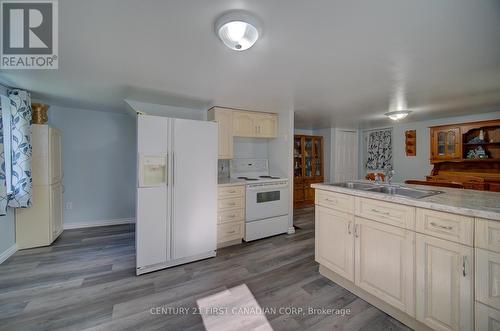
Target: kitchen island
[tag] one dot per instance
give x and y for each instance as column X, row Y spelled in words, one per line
column 432, row 263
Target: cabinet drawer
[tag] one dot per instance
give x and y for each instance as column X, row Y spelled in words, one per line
column 231, row 191
column 445, row 225
column 337, row 201
column 231, row 203
column 228, row 216
column 488, row 277
column 488, row 234
column 229, row 231
column 386, row 212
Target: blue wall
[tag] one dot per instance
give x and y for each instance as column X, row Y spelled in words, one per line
column 99, row 164
column 7, row 230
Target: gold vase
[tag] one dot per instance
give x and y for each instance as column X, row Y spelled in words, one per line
column 39, row 113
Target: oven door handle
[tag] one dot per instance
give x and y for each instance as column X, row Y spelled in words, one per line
column 266, row 187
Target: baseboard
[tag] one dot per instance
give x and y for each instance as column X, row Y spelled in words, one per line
column 8, row 253
column 90, row 224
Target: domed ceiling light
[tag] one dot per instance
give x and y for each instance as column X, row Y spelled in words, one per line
column 238, row 30
column 397, row 114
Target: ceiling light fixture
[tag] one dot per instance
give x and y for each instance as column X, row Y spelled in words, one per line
column 238, row 30
column 397, row 114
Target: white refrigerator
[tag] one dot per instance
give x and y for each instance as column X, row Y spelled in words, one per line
column 176, row 211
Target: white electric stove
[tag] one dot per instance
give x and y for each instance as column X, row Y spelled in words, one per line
column 267, row 198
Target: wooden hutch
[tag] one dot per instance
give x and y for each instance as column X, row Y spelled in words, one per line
column 467, row 153
column 308, row 165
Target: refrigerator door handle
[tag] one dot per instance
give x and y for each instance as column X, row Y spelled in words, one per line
column 173, row 168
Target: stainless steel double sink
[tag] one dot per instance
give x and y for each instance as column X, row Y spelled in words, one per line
column 396, row 190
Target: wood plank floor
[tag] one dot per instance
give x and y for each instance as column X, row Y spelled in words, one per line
column 86, row 280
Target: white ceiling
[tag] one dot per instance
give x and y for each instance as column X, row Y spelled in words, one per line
column 335, row 62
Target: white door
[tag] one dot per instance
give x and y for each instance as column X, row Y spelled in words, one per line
column 444, row 284
column 346, row 155
column 488, row 278
column 152, row 242
column 384, row 256
column 334, row 245
column 194, row 225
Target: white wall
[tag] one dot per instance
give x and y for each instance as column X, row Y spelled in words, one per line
column 250, row 148
column 417, row 167
column 168, row 111
column 99, row 164
column 281, row 155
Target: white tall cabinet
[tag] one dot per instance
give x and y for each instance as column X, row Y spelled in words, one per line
column 41, row 224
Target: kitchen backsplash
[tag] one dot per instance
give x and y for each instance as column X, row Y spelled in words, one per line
column 223, row 168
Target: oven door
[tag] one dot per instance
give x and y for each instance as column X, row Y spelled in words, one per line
column 266, row 200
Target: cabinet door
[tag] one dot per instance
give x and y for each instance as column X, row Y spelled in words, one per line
column 487, row 319
column 446, row 144
column 444, row 284
column 334, row 245
column 56, row 211
column 384, row 263
column 488, row 278
column 266, row 125
column 224, row 118
column 243, row 124
column 55, row 156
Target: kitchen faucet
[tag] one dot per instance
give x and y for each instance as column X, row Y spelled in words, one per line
column 389, row 173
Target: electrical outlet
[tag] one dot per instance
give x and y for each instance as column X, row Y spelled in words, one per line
column 69, row 205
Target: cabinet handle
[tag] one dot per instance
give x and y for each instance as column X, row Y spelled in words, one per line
column 356, row 232
column 232, row 216
column 334, row 201
column 231, row 232
column 380, row 212
column 232, row 191
column 232, row 203
column 441, row 226
column 464, row 264
column 349, row 228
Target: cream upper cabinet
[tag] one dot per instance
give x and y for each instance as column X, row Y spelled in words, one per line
column 224, row 117
column 384, row 262
column 256, row 125
column 444, row 284
column 266, row 125
column 334, row 244
column 243, row 124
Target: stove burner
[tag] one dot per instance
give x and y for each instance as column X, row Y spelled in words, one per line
column 246, row 178
column 270, row 177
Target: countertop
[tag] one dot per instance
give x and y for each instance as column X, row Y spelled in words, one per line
column 483, row 204
column 230, row 182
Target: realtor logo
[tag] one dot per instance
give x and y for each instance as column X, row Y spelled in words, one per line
column 29, row 35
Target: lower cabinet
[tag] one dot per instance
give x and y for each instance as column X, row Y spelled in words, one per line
column 334, row 244
column 444, row 284
column 487, row 319
column 384, row 263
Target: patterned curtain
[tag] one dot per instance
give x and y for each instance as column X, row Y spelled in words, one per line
column 19, row 193
column 379, row 150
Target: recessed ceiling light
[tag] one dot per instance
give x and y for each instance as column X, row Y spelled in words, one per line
column 238, row 30
column 398, row 114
